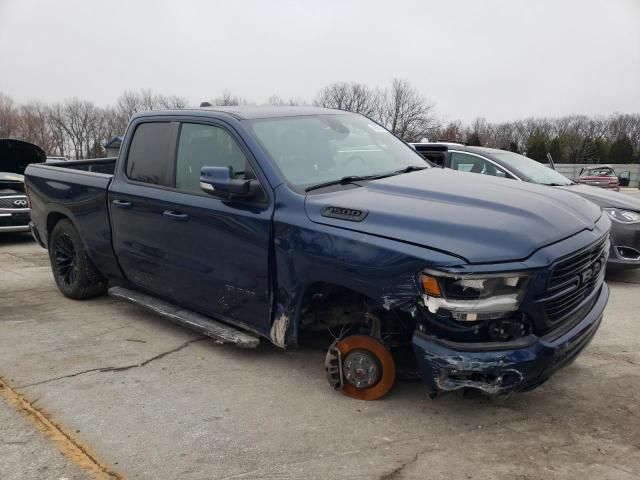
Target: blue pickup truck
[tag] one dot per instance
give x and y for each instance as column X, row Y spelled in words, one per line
column 307, row 225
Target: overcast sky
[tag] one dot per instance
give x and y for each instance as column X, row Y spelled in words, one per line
column 500, row 59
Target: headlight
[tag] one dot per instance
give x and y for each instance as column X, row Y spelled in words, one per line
column 623, row 216
column 474, row 297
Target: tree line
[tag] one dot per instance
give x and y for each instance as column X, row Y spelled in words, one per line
column 569, row 139
column 77, row 128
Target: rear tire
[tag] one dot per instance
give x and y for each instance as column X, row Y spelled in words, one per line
column 74, row 273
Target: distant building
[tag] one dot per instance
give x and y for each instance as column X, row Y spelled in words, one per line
column 112, row 147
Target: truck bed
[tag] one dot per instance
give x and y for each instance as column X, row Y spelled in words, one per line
column 105, row 165
column 78, row 191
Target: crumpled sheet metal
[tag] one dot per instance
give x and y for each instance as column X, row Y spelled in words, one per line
column 446, row 371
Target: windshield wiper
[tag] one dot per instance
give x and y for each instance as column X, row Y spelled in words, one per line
column 356, row 178
column 343, row 181
column 557, row 184
column 411, row 168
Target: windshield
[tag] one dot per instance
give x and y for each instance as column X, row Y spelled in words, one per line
column 530, row 169
column 599, row 172
column 322, row 148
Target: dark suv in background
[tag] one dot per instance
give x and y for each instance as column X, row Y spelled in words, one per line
column 623, row 210
column 15, row 155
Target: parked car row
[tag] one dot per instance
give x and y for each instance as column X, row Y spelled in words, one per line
column 286, row 224
column 623, row 210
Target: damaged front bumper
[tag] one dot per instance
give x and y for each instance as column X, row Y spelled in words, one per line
column 497, row 368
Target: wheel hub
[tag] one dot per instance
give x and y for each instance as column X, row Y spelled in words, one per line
column 361, row 369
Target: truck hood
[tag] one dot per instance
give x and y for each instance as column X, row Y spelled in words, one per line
column 604, row 198
column 15, row 155
column 479, row 218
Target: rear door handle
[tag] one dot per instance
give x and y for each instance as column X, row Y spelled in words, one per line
column 173, row 215
column 122, row 203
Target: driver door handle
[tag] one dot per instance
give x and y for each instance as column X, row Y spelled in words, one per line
column 121, row 203
column 173, row 215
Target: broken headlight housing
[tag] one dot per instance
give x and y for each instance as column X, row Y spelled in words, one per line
column 472, row 298
column 623, row 216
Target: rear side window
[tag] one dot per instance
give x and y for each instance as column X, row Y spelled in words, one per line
column 474, row 164
column 206, row 146
column 434, row 156
column 151, row 153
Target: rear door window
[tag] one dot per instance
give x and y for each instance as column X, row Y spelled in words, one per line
column 151, row 154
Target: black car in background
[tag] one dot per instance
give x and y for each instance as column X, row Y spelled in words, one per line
column 623, row 210
column 15, row 155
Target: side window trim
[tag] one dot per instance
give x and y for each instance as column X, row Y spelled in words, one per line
column 497, row 165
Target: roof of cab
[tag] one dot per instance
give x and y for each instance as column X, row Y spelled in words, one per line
column 248, row 112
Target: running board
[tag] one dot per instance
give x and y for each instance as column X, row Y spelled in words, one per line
column 219, row 331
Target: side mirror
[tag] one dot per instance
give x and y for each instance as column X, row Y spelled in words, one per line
column 220, row 182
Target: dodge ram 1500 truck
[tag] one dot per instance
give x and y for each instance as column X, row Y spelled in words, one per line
column 307, row 224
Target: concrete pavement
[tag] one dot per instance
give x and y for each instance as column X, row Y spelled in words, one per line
column 148, row 399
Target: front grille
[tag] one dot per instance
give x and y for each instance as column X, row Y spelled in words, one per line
column 574, row 279
column 15, row 220
column 10, row 202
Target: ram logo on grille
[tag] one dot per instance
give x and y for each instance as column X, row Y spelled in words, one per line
column 574, row 279
column 589, row 273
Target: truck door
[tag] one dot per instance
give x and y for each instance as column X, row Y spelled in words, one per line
column 137, row 203
column 217, row 250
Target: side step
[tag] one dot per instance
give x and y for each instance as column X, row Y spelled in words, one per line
column 208, row 326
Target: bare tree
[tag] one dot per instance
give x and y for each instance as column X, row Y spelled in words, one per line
column 33, row 125
column 172, row 102
column 77, row 119
column 59, row 136
column 276, row 101
column 227, row 99
column 8, row 116
column 405, row 112
column 131, row 102
column 353, row 97
column 453, row 131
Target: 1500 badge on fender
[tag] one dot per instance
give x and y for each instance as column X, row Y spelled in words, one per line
column 342, row 213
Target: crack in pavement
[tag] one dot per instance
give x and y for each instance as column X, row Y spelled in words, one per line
column 398, row 470
column 117, row 369
column 269, row 471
